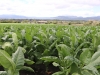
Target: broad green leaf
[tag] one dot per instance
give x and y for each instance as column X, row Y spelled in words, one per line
column 98, row 48
column 23, row 32
column 36, row 38
column 15, row 39
column 75, row 74
column 3, row 73
column 74, row 40
column 55, row 64
column 11, row 72
column 27, row 68
column 46, row 52
column 79, row 48
column 95, row 56
column 5, row 37
column 18, row 58
column 50, row 58
column 86, row 72
column 16, row 72
column 59, row 33
column 85, row 56
column 53, row 44
column 63, row 50
column 76, row 61
column 28, row 37
column 58, row 73
column 40, row 47
column 95, row 60
column 6, row 44
column 29, row 62
column 43, row 34
column 96, row 39
column 5, row 60
column 8, row 47
column 74, row 68
column 24, row 51
column 92, row 69
column 68, row 60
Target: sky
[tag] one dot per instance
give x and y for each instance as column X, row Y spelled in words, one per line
column 50, row 8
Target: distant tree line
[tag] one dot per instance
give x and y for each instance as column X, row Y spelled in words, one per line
column 10, row 20
column 46, row 21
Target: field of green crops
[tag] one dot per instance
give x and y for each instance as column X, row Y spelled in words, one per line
column 75, row 50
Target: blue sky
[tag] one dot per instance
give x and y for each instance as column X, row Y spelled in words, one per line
column 50, row 8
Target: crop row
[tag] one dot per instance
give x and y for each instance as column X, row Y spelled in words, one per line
column 75, row 50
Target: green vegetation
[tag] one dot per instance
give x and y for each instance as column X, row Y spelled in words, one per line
column 74, row 49
column 41, row 21
column 14, row 64
column 53, row 22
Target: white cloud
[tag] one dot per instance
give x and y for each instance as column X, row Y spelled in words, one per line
column 49, row 8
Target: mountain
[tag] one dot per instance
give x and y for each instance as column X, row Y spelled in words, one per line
column 12, row 17
column 69, row 18
column 5, row 16
column 77, row 18
column 94, row 18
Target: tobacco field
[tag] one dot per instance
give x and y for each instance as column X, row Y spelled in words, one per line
column 49, row 50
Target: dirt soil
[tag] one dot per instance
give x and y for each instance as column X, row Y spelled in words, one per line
column 39, row 70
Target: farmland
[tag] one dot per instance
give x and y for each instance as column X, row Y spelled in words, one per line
column 29, row 49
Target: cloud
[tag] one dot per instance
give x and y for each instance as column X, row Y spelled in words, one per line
column 50, row 8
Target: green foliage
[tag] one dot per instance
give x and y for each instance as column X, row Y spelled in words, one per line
column 75, row 50
column 14, row 64
column 64, row 60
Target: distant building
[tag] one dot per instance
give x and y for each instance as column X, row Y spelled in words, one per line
column 42, row 22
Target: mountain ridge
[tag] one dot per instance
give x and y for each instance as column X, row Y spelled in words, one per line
column 6, row 16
